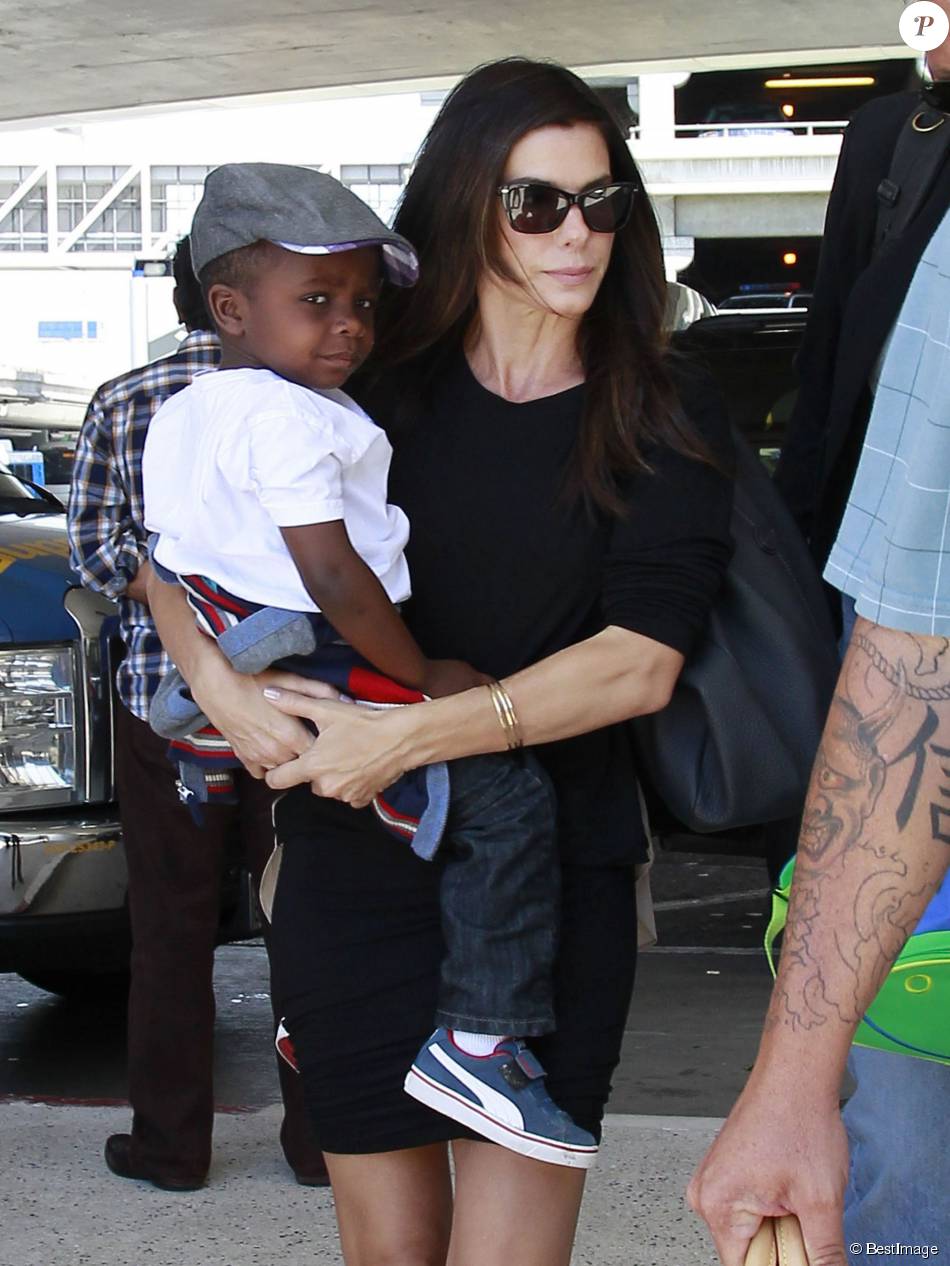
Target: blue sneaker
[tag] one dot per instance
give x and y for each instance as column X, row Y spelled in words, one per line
column 501, row 1096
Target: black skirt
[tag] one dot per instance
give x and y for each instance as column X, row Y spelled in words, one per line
column 355, row 952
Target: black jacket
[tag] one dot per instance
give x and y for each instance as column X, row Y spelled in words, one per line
column 856, row 302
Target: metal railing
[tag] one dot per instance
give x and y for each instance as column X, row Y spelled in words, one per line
column 728, row 131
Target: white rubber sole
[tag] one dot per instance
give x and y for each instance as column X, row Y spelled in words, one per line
column 449, row 1104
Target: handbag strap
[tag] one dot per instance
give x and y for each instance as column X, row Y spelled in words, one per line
column 921, row 150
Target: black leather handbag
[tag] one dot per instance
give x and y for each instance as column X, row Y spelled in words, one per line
column 735, row 745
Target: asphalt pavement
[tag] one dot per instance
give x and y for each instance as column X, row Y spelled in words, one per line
column 690, row 1039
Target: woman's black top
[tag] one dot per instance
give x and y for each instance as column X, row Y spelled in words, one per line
column 505, row 570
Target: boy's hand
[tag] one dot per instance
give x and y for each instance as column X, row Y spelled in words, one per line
column 450, row 677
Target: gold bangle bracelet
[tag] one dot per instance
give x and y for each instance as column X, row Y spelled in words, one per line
column 507, row 717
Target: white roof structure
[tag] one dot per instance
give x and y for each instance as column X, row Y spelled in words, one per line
column 61, row 61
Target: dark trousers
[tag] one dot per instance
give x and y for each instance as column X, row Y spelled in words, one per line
column 499, row 898
column 175, row 869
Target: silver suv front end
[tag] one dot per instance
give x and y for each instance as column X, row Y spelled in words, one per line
column 60, row 851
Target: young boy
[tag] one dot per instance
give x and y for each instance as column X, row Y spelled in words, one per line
column 267, row 488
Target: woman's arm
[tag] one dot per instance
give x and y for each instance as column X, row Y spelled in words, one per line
column 611, row 677
column 261, row 736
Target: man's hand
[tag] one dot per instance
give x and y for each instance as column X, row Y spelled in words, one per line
column 779, row 1152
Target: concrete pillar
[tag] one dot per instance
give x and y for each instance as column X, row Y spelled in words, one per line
column 658, row 108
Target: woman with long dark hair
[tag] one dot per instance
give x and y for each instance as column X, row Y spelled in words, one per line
column 569, row 514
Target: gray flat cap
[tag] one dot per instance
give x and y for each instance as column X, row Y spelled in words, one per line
column 294, row 207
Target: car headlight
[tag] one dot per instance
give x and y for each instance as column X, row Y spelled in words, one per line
column 37, row 727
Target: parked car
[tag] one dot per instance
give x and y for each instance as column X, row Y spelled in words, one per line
column 63, row 914
column 796, row 300
column 751, row 355
column 40, row 418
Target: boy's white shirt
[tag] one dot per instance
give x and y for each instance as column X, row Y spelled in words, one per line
column 239, row 454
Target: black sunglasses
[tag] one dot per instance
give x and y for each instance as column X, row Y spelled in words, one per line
column 533, row 207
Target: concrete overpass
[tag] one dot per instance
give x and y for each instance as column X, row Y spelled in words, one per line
column 102, row 157
column 62, row 60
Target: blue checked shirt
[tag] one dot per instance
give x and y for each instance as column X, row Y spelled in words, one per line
column 106, row 533
column 893, row 548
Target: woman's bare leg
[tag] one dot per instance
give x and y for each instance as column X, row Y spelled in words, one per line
column 511, row 1209
column 393, row 1208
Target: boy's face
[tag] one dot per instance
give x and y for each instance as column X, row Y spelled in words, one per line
column 308, row 318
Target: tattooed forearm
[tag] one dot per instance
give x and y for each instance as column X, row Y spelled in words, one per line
column 879, row 798
column 883, row 914
column 927, row 664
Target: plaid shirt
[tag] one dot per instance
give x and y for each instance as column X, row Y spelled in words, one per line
column 893, row 548
column 106, row 532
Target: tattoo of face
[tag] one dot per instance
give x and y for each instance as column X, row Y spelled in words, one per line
column 878, row 737
column 848, row 778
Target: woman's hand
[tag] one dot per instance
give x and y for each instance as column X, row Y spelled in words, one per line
column 261, row 735
column 358, row 752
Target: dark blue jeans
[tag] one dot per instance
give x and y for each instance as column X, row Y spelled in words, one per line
column 500, row 897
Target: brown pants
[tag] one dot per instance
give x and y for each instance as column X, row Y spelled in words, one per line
column 175, row 870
